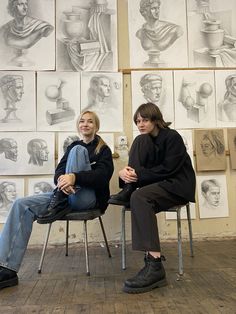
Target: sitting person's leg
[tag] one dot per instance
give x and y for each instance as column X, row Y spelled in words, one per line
column 142, row 154
column 16, row 233
column 84, row 198
column 145, row 203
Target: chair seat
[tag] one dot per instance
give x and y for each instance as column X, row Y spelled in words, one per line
column 119, row 203
column 84, row 215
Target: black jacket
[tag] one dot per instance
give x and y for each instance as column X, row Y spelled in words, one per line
column 98, row 178
column 172, row 167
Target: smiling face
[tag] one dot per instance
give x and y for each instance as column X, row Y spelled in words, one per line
column 87, row 127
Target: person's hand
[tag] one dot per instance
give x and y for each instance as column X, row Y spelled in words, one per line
column 66, row 182
column 128, row 175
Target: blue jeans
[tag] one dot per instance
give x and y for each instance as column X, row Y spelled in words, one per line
column 18, row 227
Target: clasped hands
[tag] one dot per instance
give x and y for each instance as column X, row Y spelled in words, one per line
column 66, row 183
column 128, row 175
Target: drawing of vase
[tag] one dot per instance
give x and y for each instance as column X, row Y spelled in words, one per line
column 213, row 35
column 73, row 25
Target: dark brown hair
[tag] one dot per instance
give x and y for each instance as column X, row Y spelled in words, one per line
column 151, row 112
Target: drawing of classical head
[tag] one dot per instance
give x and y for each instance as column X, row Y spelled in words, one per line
column 7, row 194
column 151, row 86
column 99, row 91
column 202, row 6
column 12, row 87
column 211, row 192
column 38, row 150
column 8, row 146
column 23, row 31
column 42, row 187
column 227, row 108
column 70, row 139
column 212, row 144
column 156, row 35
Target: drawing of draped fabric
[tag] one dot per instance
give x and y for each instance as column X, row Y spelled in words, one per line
column 228, row 57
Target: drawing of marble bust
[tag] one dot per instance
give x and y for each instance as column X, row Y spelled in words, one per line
column 38, row 150
column 7, row 196
column 8, row 146
column 42, row 187
column 12, row 88
column 227, row 108
column 23, row 31
column 151, row 86
column 156, row 35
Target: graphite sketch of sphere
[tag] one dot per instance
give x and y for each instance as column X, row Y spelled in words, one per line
column 205, row 90
column 52, row 92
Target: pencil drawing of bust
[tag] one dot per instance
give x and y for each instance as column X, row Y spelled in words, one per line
column 38, row 150
column 69, row 140
column 227, row 108
column 23, row 31
column 98, row 93
column 12, row 89
column 42, row 187
column 211, row 192
column 151, row 86
column 7, row 196
column 8, row 146
column 156, row 35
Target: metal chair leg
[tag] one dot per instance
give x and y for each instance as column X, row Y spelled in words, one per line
column 104, row 236
column 44, row 249
column 67, row 236
column 180, row 254
column 86, row 248
column 190, row 229
column 123, row 239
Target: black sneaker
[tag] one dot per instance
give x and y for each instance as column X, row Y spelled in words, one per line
column 151, row 276
column 124, row 195
column 57, row 208
column 8, row 278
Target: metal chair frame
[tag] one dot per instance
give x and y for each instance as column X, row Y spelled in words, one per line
column 77, row 216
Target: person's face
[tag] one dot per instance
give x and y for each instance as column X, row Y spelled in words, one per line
column 10, row 192
column 213, row 196
column 16, row 91
column 104, row 87
column 12, row 152
column 145, row 126
column 21, row 7
column 87, row 127
column 233, row 86
column 155, row 9
column 207, row 147
column 43, row 152
column 153, row 91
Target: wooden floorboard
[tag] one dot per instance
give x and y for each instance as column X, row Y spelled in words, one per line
column 208, row 284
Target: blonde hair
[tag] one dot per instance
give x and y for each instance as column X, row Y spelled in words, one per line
column 96, row 122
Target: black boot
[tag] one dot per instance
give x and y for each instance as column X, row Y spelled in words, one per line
column 151, row 276
column 8, row 278
column 124, row 195
column 57, row 208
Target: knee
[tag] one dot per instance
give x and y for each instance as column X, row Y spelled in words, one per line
column 137, row 198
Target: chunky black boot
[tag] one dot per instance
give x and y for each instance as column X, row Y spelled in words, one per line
column 124, row 195
column 57, row 208
column 8, row 278
column 151, row 276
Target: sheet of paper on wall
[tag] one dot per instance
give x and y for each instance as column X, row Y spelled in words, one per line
column 231, row 134
column 17, row 101
column 87, row 35
column 183, row 213
column 25, row 153
column 27, row 35
column 102, row 92
column 39, row 185
column 210, row 149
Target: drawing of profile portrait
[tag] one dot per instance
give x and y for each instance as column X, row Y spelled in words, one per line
column 212, row 33
column 42, row 187
column 38, row 150
column 7, row 196
column 155, row 87
column 210, row 150
column 104, row 96
column 9, row 148
column 227, row 107
column 213, row 200
column 87, row 35
column 231, row 134
column 24, row 31
column 159, row 34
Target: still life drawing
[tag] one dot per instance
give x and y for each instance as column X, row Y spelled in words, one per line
column 87, row 35
column 26, row 28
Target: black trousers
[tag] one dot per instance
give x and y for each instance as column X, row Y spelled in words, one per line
column 147, row 200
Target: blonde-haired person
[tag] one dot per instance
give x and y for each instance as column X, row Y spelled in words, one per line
column 82, row 179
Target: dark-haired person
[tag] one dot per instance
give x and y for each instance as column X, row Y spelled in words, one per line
column 82, row 178
column 159, row 175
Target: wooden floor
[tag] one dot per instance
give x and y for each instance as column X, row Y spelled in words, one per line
column 208, row 285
